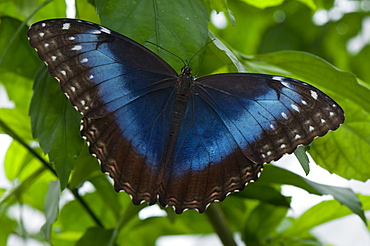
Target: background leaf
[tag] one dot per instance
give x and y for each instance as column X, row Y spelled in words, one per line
column 56, row 125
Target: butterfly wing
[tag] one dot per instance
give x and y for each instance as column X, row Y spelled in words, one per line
column 124, row 91
column 268, row 115
column 233, row 124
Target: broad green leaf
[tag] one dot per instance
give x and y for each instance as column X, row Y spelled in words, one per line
column 7, row 226
column 95, row 236
column 250, row 24
column 351, row 144
column 107, row 193
column 190, row 222
column 225, row 55
column 17, row 121
column 309, row 3
column 18, row 89
column 15, row 53
column 218, row 5
column 265, row 193
column 51, row 9
column 262, row 222
column 178, row 26
column 16, row 160
column 30, row 191
column 86, row 168
column 56, row 125
column 8, row 8
column 51, row 207
column 263, row 3
column 86, row 11
column 345, row 196
column 302, row 157
column 73, row 217
column 319, row 214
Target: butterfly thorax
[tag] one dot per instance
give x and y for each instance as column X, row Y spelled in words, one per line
column 183, row 87
column 184, row 84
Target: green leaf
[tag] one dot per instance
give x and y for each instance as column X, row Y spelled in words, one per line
column 51, row 207
column 262, row 222
column 162, row 23
column 351, row 144
column 18, row 89
column 265, row 193
column 17, row 121
column 52, row 9
column 15, row 51
column 263, row 3
column 56, row 124
column 17, row 159
column 302, row 157
column 7, row 226
column 319, row 214
column 95, row 236
column 345, row 196
column 86, row 168
column 106, row 191
column 86, row 11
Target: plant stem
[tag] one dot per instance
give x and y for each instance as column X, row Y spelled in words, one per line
column 218, row 221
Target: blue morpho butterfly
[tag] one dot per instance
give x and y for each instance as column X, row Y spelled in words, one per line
column 182, row 141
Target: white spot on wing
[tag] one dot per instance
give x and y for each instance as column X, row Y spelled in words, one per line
column 46, row 45
column 77, row 47
column 53, row 58
column 283, row 146
column 84, row 60
column 297, row 136
column 295, row 107
column 95, row 32
column 106, row 30
column 284, row 115
column 323, row 121
column 304, row 102
column 43, row 24
column 41, row 34
column 311, row 128
column 278, row 78
column 272, row 126
column 73, row 89
column 66, row 26
column 331, row 114
column 285, row 84
column 314, row 95
column 71, row 38
column 63, row 72
column 91, row 76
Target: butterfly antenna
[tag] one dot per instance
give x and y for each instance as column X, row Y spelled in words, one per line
column 211, row 41
column 167, row 51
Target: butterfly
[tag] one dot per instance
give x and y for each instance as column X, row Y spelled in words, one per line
column 162, row 136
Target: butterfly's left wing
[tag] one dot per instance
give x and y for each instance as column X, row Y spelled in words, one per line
column 233, row 124
column 124, row 91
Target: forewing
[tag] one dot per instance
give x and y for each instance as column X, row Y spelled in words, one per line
column 124, row 91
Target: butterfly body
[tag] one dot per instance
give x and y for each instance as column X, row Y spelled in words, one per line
column 183, row 141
